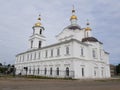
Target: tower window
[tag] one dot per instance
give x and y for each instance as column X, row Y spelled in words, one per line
column 31, row 44
column 40, row 31
column 87, row 34
column 39, row 44
column 33, row 31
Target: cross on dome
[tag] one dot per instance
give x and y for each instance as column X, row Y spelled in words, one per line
column 38, row 24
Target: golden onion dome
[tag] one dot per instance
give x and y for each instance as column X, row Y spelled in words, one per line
column 38, row 24
column 88, row 29
column 73, row 17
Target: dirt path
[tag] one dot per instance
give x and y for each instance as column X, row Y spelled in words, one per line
column 33, row 84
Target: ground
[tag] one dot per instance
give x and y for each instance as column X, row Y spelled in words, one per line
column 56, row 84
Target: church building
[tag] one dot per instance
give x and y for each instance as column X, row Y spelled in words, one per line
column 77, row 54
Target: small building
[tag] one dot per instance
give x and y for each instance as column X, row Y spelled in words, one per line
column 113, row 70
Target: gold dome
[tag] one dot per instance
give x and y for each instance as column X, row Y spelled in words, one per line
column 88, row 29
column 73, row 17
column 38, row 24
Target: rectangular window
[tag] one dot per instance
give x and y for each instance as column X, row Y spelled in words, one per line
column 82, row 51
column 23, row 58
column 46, row 54
column 58, row 52
column 31, row 56
column 39, row 55
column 52, row 53
column 101, row 55
column 94, row 53
column 35, row 55
column 20, row 58
column 102, row 71
column 27, row 56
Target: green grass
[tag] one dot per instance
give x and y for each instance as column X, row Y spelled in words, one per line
column 34, row 77
column 45, row 77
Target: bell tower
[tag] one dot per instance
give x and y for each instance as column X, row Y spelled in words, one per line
column 37, row 40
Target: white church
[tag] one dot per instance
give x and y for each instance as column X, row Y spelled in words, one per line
column 77, row 54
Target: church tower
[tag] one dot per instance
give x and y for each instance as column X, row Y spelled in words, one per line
column 37, row 40
column 88, row 30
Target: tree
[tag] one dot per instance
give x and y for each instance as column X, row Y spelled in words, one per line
column 118, row 69
column 8, row 65
column 0, row 64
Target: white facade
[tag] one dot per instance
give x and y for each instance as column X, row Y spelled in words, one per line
column 76, row 55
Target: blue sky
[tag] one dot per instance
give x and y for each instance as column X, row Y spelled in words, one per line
column 18, row 16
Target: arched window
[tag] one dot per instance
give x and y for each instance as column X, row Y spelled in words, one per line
column 38, row 71
column 67, row 71
column 57, row 71
column 67, row 50
column 32, row 44
column 45, row 71
column 82, row 71
column 40, row 31
column 50, row 71
column 29, row 70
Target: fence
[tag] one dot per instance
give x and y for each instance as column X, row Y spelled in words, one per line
column 47, row 73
